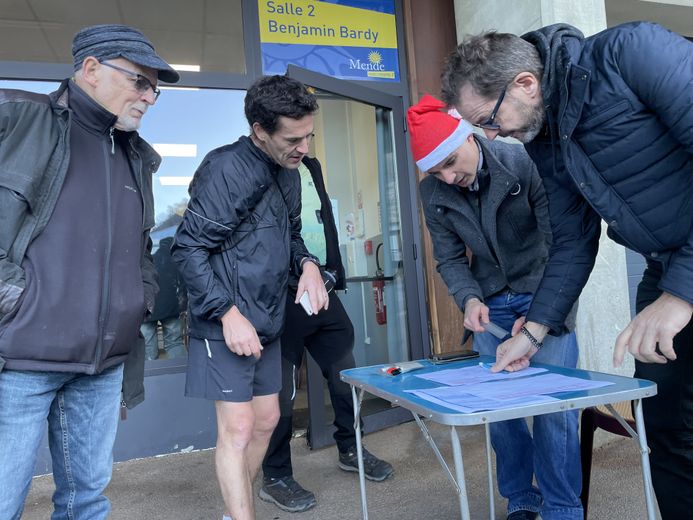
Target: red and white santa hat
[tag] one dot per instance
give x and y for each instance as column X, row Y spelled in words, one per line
column 433, row 132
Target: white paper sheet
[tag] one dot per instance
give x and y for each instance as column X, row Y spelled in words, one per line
column 542, row 384
column 505, row 393
column 475, row 374
column 468, row 403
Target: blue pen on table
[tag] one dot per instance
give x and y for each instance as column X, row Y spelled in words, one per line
column 498, row 332
column 488, row 366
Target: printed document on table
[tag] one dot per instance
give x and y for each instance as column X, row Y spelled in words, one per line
column 468, row 403
column 542, row 384
column 507, row 393
column 476, row 374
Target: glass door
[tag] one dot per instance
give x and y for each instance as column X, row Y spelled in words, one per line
column 356, row 142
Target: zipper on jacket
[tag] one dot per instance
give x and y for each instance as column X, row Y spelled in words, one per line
column 106, row 291
column 123, row 410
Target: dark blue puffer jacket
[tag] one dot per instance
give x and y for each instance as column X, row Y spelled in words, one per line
column 618, row 145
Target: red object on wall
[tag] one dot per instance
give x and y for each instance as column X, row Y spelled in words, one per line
column 368, row 247
column 379, row 301
column 378, row 290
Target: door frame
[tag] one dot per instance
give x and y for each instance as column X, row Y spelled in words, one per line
column 412, row 259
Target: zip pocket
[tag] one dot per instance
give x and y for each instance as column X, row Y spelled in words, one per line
column 591, row 121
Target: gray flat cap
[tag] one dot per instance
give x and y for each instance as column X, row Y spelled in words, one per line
column 106, row 42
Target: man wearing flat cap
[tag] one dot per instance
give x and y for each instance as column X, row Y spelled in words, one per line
column 76, row 274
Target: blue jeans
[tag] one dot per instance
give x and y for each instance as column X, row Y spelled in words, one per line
column 172, row 329
column 552, row 453
column 82, row 412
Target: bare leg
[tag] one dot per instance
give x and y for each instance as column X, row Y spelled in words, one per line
column 234, row 429
column 266, row 409
column 243, row 432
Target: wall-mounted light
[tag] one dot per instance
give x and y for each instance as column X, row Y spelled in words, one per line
column 186, row 68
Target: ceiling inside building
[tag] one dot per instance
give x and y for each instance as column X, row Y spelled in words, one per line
column 207, row 33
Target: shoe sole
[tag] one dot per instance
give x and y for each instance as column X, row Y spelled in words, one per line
column 266, row 497
column 369, row 477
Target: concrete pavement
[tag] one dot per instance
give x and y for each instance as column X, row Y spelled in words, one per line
column 183, row 486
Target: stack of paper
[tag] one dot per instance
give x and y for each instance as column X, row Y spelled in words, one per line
column 473, row 389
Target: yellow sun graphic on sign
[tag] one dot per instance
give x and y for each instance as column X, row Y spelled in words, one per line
column 375, row 57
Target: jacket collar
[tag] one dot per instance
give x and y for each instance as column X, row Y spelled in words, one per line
column 89, row 114
column 495, row 182
column 60, row 102
column 552, row 43
column 564, row 82
column 259, row 154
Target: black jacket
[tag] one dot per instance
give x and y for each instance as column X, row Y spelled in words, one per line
column 34, row 159
column 240, row 236
column 618, row 145
column 173, row 296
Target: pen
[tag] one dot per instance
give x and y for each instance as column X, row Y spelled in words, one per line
column 407, row 366
column 488, row 366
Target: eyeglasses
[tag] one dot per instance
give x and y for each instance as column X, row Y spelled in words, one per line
column 142, row 84
column 490, row 123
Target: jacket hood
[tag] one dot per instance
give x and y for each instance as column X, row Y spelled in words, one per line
column 550, row 41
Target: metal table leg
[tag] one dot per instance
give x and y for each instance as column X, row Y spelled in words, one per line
column 359, row 447
column 489, row 469
column 459, row 471
column 429, row 438
column 640, row 438
column 645, row 459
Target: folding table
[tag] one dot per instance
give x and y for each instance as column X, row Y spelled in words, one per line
column 393, row 388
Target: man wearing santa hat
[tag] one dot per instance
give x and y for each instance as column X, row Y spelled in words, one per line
column 486, row 197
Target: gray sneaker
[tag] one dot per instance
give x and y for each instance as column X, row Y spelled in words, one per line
column 287, row 494
column 374, row 468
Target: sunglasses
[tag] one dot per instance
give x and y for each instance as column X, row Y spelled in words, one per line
column 142, row 84
column 490, row 123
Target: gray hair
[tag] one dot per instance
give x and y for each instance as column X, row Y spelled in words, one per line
column 488, row 62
